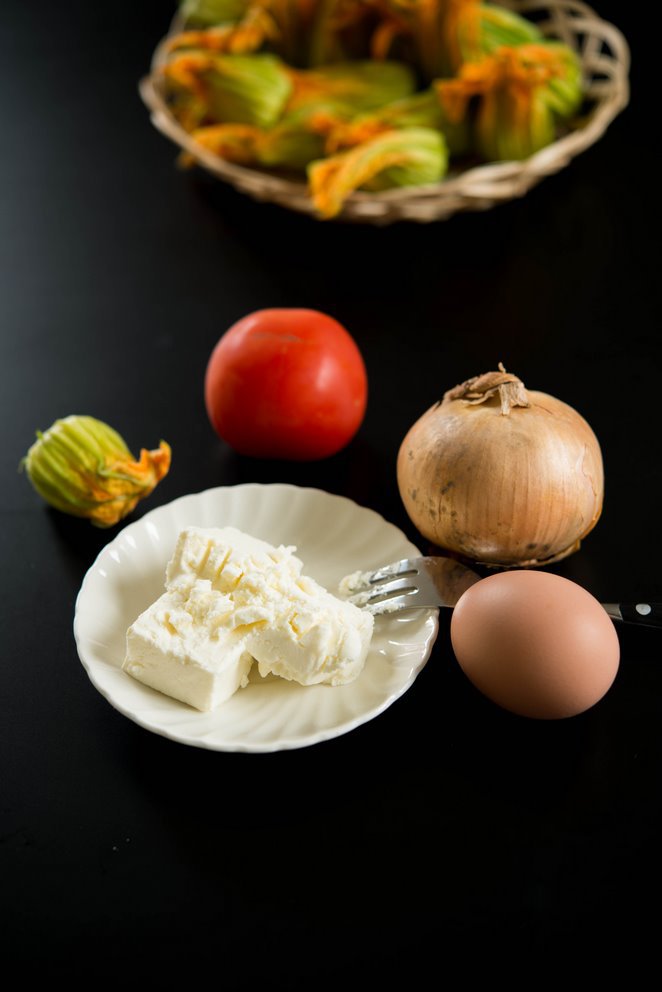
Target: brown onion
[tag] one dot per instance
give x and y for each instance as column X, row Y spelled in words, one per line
column 500, row 475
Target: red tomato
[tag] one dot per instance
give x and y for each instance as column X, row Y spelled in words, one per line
column 286, row 384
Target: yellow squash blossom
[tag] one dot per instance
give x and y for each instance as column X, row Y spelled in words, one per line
column 291, row 144
column 423, row 109
column 354, row 87
column 206, row 87
column 205, row 13
column 83, row 467
column 443, row 33
column 407, row 157
column 256, row 28
column 518, row 93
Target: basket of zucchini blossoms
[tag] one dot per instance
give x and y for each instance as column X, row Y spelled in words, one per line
column 385, row 110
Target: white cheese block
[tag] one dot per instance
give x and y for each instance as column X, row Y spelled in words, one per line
column 313, row 637
column 183, row 646
column 232, row 598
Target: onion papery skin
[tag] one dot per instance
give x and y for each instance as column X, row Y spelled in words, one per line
column 515, row 490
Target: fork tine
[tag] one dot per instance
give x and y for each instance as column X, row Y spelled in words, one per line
column 393, row 605
column 426, row 582
column 360, row 582
column 406, row 566
column 386, row 588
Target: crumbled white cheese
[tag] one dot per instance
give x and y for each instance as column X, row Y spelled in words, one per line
column 231, row 598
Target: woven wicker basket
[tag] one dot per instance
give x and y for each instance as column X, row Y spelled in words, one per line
column 605, row 60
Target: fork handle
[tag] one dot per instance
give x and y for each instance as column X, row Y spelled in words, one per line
column 642, row 614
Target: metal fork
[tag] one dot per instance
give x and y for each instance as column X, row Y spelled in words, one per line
column 420, row 583
column 412, row 583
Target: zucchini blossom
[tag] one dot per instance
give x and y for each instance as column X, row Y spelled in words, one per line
column 437, row 33
column 519, row 93
column 82, row 466
column 339, row 30
column 248, row 35
column 292, row 144
column 205, row 13
column 407, row 157
column 352, row 87
column 420, row 110
column 499, row 26
column 442, row 34
column 289, row 23
column 207, row 87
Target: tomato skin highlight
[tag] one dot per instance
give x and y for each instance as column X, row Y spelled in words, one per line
column 286, row 383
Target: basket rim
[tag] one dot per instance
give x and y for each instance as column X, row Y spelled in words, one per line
column 469, row 188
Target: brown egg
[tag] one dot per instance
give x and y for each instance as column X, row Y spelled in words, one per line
column 535, row 643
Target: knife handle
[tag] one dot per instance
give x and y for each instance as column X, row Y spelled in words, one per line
column 643, row 614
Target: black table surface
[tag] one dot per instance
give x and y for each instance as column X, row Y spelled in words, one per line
column 446, row 830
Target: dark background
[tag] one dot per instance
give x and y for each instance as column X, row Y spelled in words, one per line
column 446, row 831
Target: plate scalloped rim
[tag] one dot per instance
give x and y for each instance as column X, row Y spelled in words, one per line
column 136, row 558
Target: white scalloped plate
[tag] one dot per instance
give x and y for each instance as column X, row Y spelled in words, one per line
column 334, row 537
